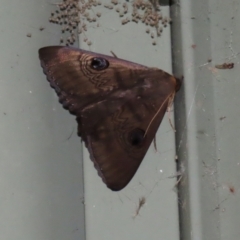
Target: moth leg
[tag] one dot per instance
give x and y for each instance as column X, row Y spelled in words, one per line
column 155, row 143
column 170, row 121
column 169, row 113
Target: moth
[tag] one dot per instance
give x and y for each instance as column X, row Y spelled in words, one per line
column 118, row 105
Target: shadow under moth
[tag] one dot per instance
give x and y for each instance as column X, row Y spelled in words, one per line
column 118, row 105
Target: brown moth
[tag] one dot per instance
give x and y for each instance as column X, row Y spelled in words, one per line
column 119, row 106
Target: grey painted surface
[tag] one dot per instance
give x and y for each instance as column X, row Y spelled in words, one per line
column 40, row 175
column 110, row 215
column 208, row 135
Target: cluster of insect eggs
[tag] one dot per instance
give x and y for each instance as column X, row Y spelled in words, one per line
column 75, row 15
column 70, row 14
column 151, row 16
column 147, row 12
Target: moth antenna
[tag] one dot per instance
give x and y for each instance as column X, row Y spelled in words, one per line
column 167, row 99
column 169, row 107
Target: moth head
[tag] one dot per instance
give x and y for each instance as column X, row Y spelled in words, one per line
column 99, row 63
column 178, row 83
